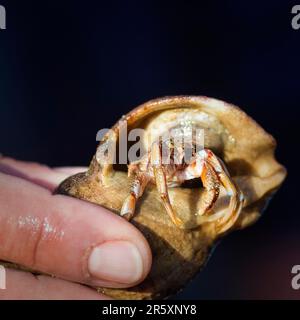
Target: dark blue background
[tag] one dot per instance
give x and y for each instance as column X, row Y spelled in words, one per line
column 69, row 68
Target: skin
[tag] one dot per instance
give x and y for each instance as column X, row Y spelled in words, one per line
column 56, row 234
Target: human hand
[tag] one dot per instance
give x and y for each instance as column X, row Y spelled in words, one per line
column 76, row 241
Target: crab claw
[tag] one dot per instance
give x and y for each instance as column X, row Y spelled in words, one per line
column 128, row 207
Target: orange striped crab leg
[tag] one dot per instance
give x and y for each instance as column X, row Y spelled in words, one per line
column 236, row 196
column 137, row 189
column 213, row 173
column 200, row 168
column 161, row 182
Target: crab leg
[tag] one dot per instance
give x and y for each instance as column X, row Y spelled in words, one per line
column 161, row 182
column 235, row 206
column 200, row 168
column 236, row 196
column 213, row 172
column 137, row 189
column 160, row 179
column 211, row 184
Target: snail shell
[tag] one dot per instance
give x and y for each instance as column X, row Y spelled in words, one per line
column 246, row 149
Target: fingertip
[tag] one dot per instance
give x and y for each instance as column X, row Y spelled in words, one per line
column 118, row 255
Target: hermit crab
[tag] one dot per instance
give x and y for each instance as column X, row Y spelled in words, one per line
column 182, row 206
column 221, row 180
column 174, row 131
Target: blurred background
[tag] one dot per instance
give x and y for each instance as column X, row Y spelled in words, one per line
column 70, row 68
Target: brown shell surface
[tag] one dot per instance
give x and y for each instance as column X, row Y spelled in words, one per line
column 179, row 254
